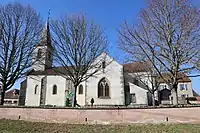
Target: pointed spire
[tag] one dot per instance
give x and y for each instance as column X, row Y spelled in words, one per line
column 47, row 25
column 49, row 14
column 45, row 37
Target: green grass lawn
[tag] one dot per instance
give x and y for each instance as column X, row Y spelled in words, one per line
column 14, row 126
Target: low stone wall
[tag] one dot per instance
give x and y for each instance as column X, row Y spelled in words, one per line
column 104, row 116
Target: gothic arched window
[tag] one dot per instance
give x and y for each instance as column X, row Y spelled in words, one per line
column 80, row 89
column 103, row 88
column 54, row 89
column 36, row 89
column 39, row 53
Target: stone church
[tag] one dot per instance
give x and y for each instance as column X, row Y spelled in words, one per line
column 117, row 85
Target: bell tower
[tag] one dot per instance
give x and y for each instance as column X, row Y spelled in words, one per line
column 42, row 55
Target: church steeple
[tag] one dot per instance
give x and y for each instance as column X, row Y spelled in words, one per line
column 42, row 57
column 45, row 37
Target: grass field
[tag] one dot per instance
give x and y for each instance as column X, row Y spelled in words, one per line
column 14, row 126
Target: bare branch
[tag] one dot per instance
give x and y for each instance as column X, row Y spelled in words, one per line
column 167, row 36
column 19, row 30
column 78, row 43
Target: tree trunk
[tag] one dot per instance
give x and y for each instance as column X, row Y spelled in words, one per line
column 175, row 95
column 75, row 102
column 153, row 100
column 2, row 97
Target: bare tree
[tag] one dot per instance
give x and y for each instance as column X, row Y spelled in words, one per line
column 144, row 76
column 78, row 43
column 149, row 81
column 19, row 29
column 169, row 32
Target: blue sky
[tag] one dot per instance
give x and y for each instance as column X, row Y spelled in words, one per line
column 109, row 14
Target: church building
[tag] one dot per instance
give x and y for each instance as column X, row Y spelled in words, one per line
column 116, row 85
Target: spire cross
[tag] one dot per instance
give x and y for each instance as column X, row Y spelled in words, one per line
column 49, row 13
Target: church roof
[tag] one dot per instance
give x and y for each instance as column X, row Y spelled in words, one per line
column 130, row 67
column 145, row 67
column 49, row 71
column 45, row 36
column 136, row 67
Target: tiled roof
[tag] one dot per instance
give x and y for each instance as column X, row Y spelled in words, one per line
column 145, row 67
column 12, row 94
column 136, row 67
column 50, row 71
column 130, row 68
column 182, row 77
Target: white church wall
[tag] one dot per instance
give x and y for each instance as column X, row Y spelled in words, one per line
column 59, row 98
column 140, row 94
column 114, row 74
column 144, row 78
column 138, row 87
column 33, row 99
column 81, row 97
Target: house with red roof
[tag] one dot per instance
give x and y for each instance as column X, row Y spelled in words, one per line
column 11, row 97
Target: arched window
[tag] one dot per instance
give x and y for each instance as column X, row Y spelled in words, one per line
column 106, row 90
column 39, row 53
column 103, row 88
column 36, row 89
column 80, row 89
column 103, row 64
column 54, row 89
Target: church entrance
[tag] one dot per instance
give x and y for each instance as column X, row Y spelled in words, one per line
column 165, row 96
